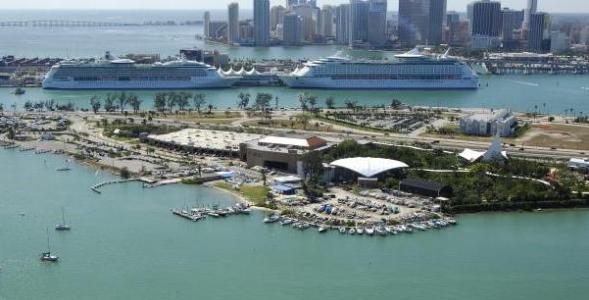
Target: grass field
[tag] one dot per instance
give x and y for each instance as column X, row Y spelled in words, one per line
column 256, row 194
column 560, row 136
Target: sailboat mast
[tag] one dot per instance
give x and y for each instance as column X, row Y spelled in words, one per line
column 63, row 215
column 48, row 245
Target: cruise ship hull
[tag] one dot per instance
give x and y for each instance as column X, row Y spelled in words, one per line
column 209, row 83
column 328, row 83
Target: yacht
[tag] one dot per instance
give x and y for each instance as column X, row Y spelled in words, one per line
column 111, row 72
column 411, row 70
column 47, row 256
column 63, row 226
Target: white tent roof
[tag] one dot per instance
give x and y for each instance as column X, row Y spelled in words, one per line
column 471, row 155
column 369, row 166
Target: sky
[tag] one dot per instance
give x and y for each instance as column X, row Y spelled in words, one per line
column 458, row 5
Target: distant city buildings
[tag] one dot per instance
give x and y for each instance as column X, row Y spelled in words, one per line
column 486, row 24
column 539, row 32
column 262, row 23
column 368, row 24
column 292, row 30
column 233, row 17
column 342, row 24
column 421, row 22
column 511, row 27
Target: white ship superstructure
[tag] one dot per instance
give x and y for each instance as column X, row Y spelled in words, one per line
column 411, row 70
column 114, row 73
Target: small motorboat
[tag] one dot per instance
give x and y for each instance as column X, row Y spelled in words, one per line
column 19, row 91
column 343, row 230
column 48, row 257
column 370, row 230
column 273, row 218
column 322, row 229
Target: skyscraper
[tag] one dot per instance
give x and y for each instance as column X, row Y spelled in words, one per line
column 512, row 20
column 358, row 21
column 539, row 32
column 233, row 17
column 531, row 8
column 292, row 29
column 412, row 22
column 342, row 24
column 262, row 22
column 276, row 16
column 377, row 22
column 326, row 21
column 207, row 24
column 437, row 22
column 486, row 24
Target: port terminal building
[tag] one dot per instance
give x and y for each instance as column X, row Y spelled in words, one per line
column 281, row 153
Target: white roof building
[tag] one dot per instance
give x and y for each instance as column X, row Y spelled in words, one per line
column 369, row 166
column 579, row 164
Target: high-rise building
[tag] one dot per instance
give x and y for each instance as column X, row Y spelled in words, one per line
column 452, row 17
column 531, row 8
column 512, row 20
column 412, row 22
column 377, row 22
column 539, row 32
column 291, row 3
column 469, row 15
column 358, row 21
column 437, row 22
column 486, row 24
column 207, row 24
column 310, row 15
column 276, row 16
column 292, row 30
column 233, row 17
column 326, row 21
column 262, row 22
column 342, row 24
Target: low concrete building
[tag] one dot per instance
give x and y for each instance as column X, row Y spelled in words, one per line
column 502, row 122
column 280, row 153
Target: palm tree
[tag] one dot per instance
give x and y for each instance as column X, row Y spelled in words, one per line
column 135, row 103
column 123, row 100
column 330, row 102
column 211, row 108
column 95, row 104
column 304, row 100
column 244, row 100
column 159, row 102
column 198, row 101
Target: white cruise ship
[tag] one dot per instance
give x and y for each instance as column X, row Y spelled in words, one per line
column 113, row 73
column 411, row 70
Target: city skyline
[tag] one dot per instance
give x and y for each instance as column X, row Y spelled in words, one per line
column 457, row 5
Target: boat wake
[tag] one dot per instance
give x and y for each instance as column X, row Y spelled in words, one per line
column 526, row 83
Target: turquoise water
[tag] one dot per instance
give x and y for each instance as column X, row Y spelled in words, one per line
column 520, row 93
column 125, row 244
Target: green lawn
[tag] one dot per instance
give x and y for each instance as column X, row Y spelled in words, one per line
column 254, row 193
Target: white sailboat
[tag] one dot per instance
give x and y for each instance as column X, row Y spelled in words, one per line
column 47, row 256
column 63, row 226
